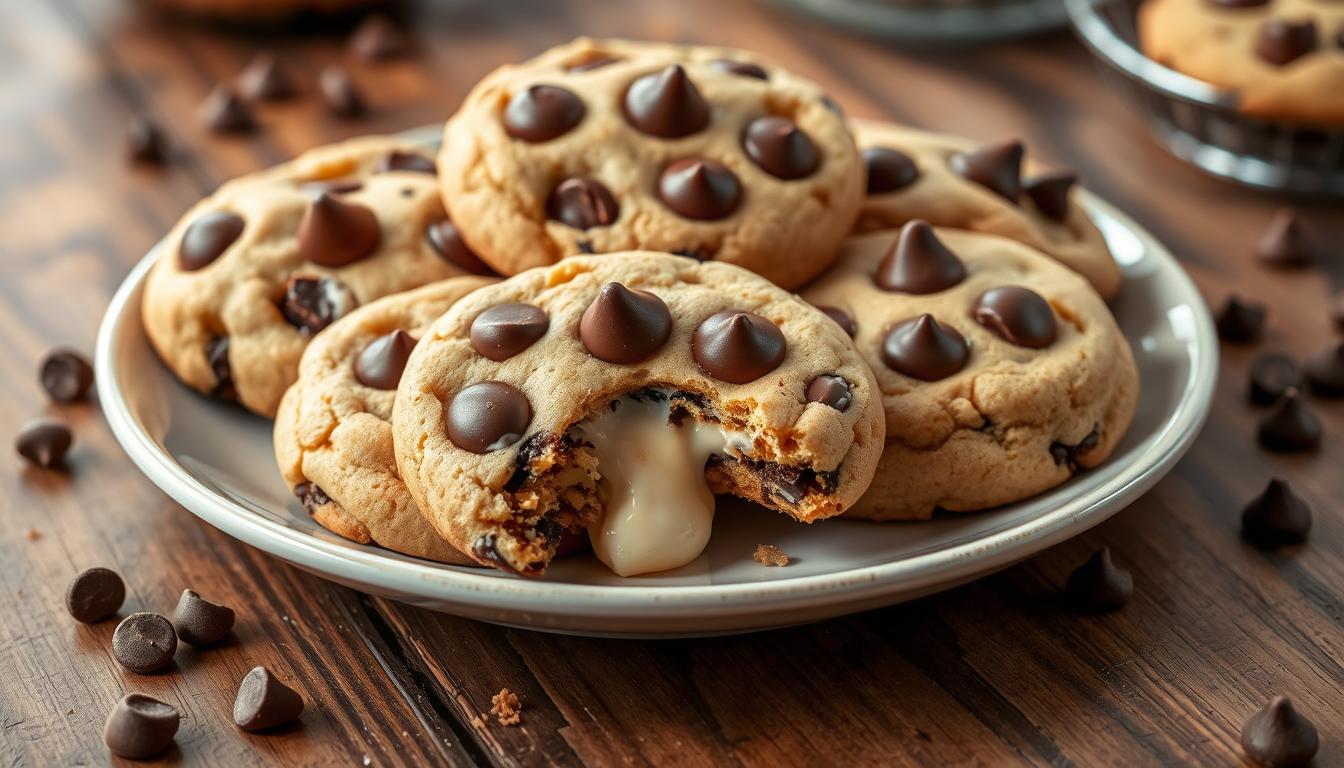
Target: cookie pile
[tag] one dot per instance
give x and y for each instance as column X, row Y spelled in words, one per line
column 635, row 277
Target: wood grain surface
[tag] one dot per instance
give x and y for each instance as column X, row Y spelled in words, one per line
column 994, row 673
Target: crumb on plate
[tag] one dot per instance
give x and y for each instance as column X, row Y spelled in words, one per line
column 769, row 554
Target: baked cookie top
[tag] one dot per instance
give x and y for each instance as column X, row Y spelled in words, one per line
column 1283, row 58
column 992, row 360
column 252, row 272
column 333, row 431
column 548, row 402
column 950, row 182
column 599, row 146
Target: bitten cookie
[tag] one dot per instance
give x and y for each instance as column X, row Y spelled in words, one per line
column 1283, row 58
column 252, row 272
column 600, row 146
column 1001, row 372
column 333, row 431
column 615, row 393
column 949, row 182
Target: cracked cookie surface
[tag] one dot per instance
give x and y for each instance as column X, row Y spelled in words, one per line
column 1001, row 372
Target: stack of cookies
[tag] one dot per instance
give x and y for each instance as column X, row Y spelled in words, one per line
column 635, row 277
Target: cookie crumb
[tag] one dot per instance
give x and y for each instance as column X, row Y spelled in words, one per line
column 505, row 707
column 769, row 554
column 34, row 534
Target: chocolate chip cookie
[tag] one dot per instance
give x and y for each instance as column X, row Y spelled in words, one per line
column 600, row 146
column 333, row 431
column 950, row 182
column 1002, row 373
column 617, row 394
column 251, row 273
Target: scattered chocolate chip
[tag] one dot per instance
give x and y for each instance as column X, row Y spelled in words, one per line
column 1284, row 244
column 842, row 319
column 44, row 442
column 145, row 142
column 1271, row 376
column 378, row 38
column 1325, row 371
column 199, row 622
column 700, row 189
column 446, row 241
column 780, row 148
column 624, row 327
column 919, row 263
column 1099, row 584
column 888, row 170
column 94, row 595
column 66, row 376
column 1277, row 516
column 266, row 79
column 1018, row 315
column 582, row 204
column 737, row 346
column 488, row 416
column 829, row 389
column 223, row 112
column 742, row 68
column 381, row 362
column 334, row 233
column 1050, row 193
column 666, row 104
column 412, row 162
column 504, row 330
column 1279, row 737
column 207, row 237
column 144, row 643
column 925, row 349
column 140, row 726
column 263, row 702
column 997, row 167
column 343, row 99
column 1066, row 455
column 1291, row 426
column 590, row 60
column 311, row 496
column 542, row 112
column 313, row 303
column 217, row 357
column 1241, row 322
column 1283, row 41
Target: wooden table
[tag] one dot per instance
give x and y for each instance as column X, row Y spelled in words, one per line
column 991, row 673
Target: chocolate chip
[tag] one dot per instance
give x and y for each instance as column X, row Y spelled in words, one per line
column 266, row 79
column 666, row 104
column 94, row 595
column 1099, row 585
column 925, row 349
column 199, row 622
column 411, row 162
column 217, row 357
column 1284, row 244
column 223, row 112
column 1066, row 455
column 44, row 442
column 381, row 362
column 582, row 204
column 741, row 68
column 842, row 319
column 313, row 303
column 888, row 170
column 1325, row 371
column 1283, row 41
column 504, row 330
column 624, row 327
column 342, row 98
column 590, row 60
column 997, row 167
column 1279, row 737
column 207, row 237
column 447, row 241
column 780, row 148
column 1291, row 426
column 1277, row 516
column 737, row 346
column 1050, row 193
column 334, row 233
column 700, row 189
column 66, row 376
column 311, row 497
column 145, row 142
column 263, row 702
column 377, row 38
column 488, row 416
column 542, row 112
column 336, row 187
column 1271, row 376
column 1241, row 322
column 829, row 389
column 144, row 643
column 1018, row 315
column 919, row 263
column 140, row 726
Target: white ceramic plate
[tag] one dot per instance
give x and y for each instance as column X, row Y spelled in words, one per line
column 216, row 461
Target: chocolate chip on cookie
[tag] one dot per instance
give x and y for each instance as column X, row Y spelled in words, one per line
column 401, row 160
column 381, row 362
column 623, row 326
column 447, row 242
column 1018, row 315
column 919, row 263
column 700, row 189
column 742, row 68
column 336, row 233
column 738, row 347
column 830, row 390
column 217, row 358
column 997, row 167
column 1283, row 41
column 925, row 349
column 312, row 303
column 888, row 170
column 582, row 204
column 207, row 237
column 488, row 416
column 504, row 330
column 780, row 148
column 1050, row 192
column 542, row 112
column 842, row 319
column 666, row 104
